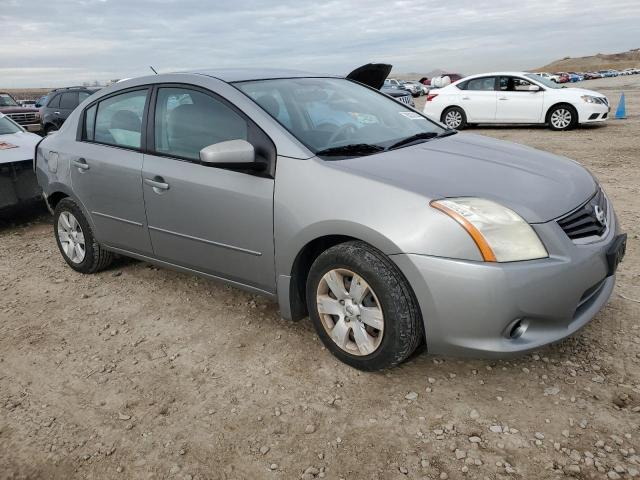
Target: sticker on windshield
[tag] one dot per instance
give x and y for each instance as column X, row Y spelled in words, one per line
column 412, row 115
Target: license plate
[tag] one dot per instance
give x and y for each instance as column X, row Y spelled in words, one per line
column 616, row 252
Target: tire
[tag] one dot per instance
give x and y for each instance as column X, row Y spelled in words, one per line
column 454, row 117
column 562, row 117
column 94, row 258
column 388, row 295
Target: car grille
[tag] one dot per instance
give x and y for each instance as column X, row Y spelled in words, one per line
column 588, row 220
column 405, row 99
column 23, row 118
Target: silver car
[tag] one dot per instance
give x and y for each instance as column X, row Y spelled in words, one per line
column 387, row 229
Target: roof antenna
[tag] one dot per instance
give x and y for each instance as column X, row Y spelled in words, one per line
column 153, row 70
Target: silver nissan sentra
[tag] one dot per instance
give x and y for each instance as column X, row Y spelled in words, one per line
column 386, row 228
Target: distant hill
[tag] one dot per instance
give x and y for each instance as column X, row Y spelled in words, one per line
column 600, row 61
column 417, row 75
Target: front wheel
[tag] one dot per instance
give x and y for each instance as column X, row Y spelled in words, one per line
column 562, row 117
column 454, row 117
column 362, row 307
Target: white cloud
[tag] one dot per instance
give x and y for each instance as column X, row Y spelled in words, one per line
column 71, row 41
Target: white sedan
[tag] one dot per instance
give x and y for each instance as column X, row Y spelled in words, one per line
column 514, row 97
column 17, row 179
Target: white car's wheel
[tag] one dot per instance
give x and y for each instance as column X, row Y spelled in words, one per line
column 454, row 117
column 562, row 117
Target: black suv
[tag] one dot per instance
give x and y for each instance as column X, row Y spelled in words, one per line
column 60, row 103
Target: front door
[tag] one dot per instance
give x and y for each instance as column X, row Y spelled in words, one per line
column 106, row 173
column 212, row 220
column 518, row 104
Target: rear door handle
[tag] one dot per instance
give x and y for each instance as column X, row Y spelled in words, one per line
column 503, row 98
column 157, row 183
column 466, row 98
column 81, row 163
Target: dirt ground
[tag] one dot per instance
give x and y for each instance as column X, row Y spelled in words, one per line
column 140, row 372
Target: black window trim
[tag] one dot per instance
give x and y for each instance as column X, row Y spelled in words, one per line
column 150, row 126
column 143, row 128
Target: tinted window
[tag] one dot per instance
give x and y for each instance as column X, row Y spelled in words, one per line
column 119, row 119
column 69, row 100
column 186, row 121
column 89, row 123
column 486, row 83
column 55, row 101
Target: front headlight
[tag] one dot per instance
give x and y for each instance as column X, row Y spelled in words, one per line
column 590, row 99
column 500, row 233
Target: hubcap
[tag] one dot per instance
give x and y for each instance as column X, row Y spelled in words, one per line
column 350, row 312
column 71, row 237
column 561, row 118
column 453, row 119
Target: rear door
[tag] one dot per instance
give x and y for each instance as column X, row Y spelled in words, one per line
column 106, row 171
column 213, row 220
column 518, row 104
column 478, row 99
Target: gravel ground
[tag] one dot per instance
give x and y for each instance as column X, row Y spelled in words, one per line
column 141, row 372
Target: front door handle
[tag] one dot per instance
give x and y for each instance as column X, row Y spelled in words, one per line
column 503, row 98
column 466, row 98
column 81, row 163
column 157, row 183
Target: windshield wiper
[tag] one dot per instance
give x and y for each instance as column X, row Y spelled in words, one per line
column 351, row 149
column 447, row 132
column 413, row 138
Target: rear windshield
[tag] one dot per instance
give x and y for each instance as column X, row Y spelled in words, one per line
column 328, row 113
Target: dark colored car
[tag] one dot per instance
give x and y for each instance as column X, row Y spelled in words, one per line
column 26, row 117
column 60, row 103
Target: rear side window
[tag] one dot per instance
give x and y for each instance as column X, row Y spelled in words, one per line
column 54, row 102
column 118, row 120
column 187, row 120
column 69, row 100
column 89, row 123
column 485, row 84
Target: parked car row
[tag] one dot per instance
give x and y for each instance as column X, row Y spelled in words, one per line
column 569, row 77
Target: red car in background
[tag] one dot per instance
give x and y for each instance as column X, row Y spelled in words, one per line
column 563, row 77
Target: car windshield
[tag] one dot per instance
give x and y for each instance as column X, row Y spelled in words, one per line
column 7, row 127
column 333, row 113
column 7, row 100
column 544, row 81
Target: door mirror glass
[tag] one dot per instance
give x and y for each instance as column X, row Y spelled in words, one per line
column 230, row 153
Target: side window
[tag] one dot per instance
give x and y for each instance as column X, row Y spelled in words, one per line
column 187, row 120
column 514, row 84
column 69, row 100
column 119, row 119
column 486, row 84
column 89, row 123
column 55, row 101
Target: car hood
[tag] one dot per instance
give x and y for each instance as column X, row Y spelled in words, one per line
column 7, row 110
column 25, row 144
column 539, row 186
column 371, row 74
column 582, row 91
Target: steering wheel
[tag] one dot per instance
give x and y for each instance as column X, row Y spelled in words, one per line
column 347, row 128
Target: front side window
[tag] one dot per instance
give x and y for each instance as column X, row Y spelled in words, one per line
column 326, row 113
column 514, row 84
column 188, row 120
column 119, row 119
column 55, row 101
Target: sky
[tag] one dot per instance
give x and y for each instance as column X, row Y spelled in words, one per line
column 67, row 42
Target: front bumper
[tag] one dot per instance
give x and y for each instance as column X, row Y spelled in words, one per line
column 593, row 112
column 469, row 308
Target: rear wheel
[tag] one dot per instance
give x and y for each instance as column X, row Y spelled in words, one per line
column 454, row 117
column 362, row 307
column 562, row 117
column 75, row 239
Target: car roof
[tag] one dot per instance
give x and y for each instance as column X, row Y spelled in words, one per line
column 230, row 75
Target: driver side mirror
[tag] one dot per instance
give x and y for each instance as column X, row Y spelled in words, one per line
column 534, row 88
column 237, row 154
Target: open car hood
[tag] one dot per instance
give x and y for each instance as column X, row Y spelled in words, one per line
column 371, row 74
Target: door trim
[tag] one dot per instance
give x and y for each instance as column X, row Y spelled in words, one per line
column 124, row 220
column 208, row 242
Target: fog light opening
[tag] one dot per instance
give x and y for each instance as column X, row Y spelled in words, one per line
column 517, row 329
